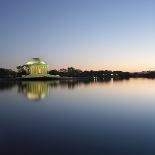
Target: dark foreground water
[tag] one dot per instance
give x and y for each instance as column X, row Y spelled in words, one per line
column 78, row 118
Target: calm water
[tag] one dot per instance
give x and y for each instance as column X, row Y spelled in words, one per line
column 79, row 118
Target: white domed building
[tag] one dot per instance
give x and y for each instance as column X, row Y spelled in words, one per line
column 36, row 66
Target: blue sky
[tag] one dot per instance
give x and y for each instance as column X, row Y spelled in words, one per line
column 87, row 34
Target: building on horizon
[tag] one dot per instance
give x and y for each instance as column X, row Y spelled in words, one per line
column 37, row 66
column 34, row 66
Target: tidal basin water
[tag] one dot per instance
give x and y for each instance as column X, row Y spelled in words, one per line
column 78, row 118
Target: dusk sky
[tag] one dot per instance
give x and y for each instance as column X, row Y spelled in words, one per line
column 86, row 34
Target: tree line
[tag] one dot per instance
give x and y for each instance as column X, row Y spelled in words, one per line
column 101, row 74
column 7, row 73
column 73, row 72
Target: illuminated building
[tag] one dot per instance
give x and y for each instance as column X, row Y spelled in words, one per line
column 36, row 66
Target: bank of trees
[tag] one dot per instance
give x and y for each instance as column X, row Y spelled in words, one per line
column 73, row 72
column 69, row 72
column 7, row 73
column 102, row 74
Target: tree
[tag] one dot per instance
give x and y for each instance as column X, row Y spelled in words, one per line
column 54, row 72
column 23, row 70
column 7, row 73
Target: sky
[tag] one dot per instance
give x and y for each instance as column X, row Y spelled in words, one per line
column 85, row 34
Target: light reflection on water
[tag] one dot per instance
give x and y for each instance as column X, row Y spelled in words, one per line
column 78, row 117
column 34, row 90
column 38, row 90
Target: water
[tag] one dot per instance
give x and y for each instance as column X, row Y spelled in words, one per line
column 80, row 118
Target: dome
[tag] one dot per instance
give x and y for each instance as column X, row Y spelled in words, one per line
column 35, row 61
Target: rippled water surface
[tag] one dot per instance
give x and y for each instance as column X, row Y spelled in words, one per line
column 78, row 117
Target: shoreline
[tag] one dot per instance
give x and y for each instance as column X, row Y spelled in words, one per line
column 65, row 78
column 43, row 78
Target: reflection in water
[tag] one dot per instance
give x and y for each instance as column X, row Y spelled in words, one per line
column 82, row 117
column 5, row 85
column 69, row 84
column 72, row 84
column 34, row 90
column 38, row 90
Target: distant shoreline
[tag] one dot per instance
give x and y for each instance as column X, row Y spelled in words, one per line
column 73, row 74
column 66, row 78
column 44, row 78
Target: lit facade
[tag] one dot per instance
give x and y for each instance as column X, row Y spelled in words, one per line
column 36, row 66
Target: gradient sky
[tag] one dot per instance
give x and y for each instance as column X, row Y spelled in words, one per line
column 87, row 34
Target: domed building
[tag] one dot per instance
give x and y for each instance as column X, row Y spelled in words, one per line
column 35, row 66
column 33, row 69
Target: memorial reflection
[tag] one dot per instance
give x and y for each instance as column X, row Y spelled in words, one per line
column 38, row 90
column 34, row 90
